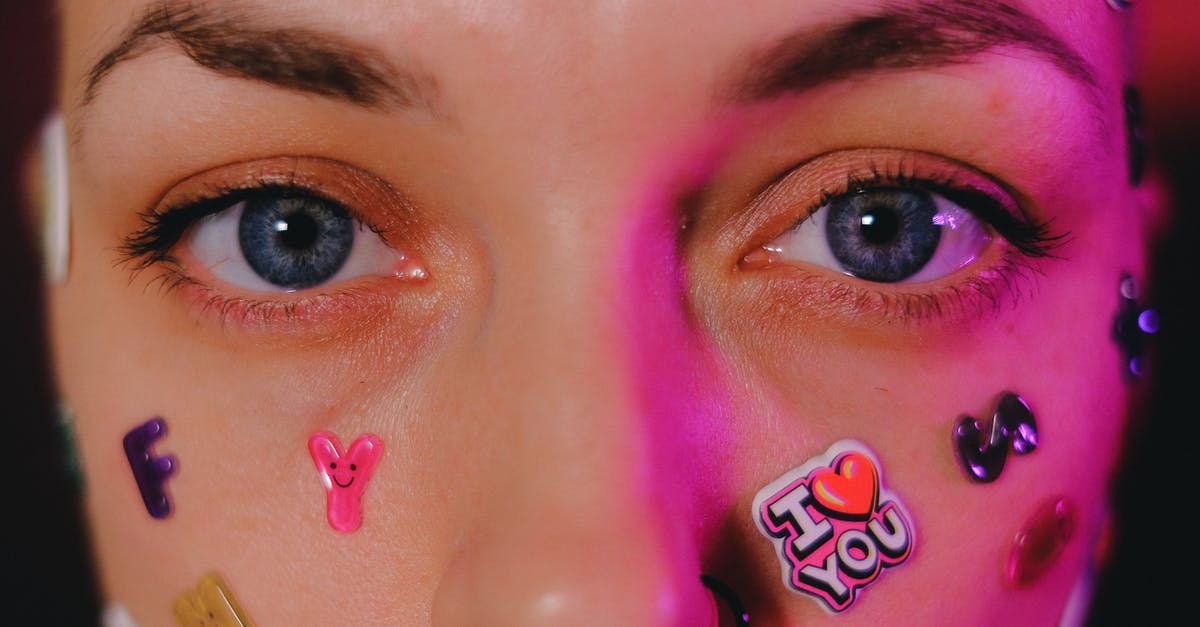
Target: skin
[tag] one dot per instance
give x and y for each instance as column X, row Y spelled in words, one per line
column 580, row 399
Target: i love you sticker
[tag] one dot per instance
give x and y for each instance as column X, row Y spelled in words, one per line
column 835, row 526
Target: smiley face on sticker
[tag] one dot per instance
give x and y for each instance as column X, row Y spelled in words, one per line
column 834, row 525
column 345, row 475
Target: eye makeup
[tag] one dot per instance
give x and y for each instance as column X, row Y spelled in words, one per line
column 283, row 240
column 1013, row 242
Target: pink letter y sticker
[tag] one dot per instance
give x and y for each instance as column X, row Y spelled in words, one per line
column 345, row 475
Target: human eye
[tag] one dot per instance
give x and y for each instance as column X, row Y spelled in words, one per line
column 906, row 232
column 887, row 235
column 269, row 240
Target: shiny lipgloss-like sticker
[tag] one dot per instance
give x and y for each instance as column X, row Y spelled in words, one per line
column 835, row 527
column 345, row 474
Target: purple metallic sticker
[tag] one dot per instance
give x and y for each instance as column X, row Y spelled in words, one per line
column 982, row 449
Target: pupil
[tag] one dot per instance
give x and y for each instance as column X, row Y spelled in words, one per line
column 295, row 241
column 297, row 231
column 882, row 234
column 879, row 226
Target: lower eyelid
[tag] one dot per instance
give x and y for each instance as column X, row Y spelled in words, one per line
column 794, row 298
column 323, row 316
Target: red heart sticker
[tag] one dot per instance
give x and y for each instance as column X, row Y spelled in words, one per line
column 850, row 490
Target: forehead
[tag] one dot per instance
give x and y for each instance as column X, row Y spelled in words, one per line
column 609, row 42
column 583, row 87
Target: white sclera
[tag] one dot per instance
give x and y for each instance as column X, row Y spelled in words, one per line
column 213, row 241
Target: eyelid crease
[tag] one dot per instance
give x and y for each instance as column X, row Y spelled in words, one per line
column 367, row 198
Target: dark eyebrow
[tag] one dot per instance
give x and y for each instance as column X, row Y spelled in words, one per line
column 902, row 37
column 229, row 42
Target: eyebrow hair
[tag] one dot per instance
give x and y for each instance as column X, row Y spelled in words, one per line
column 922, row 35
column 298, row 59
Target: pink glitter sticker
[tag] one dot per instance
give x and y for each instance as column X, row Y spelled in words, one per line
column 834, row 525
column 345, row 475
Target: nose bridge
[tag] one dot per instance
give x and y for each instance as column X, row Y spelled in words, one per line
column 577, row 531
column 560, row 362
column 554, row 345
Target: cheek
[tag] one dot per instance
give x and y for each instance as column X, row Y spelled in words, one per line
column 805, row 386
column 239, row 435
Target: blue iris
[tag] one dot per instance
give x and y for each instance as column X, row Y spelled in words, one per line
column 883, row 234
column 295, row 241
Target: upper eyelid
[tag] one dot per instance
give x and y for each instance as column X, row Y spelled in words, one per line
column 368, row 198
column 163, row 227
column 320, row 176
column 976, row 192
column 991, row 202
column 906, row 169
column 807, row 185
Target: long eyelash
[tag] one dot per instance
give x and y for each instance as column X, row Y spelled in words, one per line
column 1032, row 238
column 161, row 230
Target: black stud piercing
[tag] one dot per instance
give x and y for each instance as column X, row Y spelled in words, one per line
column 722, row 591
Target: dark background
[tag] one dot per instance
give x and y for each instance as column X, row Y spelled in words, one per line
column 44, row 552
column 44, row 572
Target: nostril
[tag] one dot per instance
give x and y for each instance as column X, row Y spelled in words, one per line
column 729, row 599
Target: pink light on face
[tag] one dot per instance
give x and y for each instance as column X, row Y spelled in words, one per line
column 345, row 475
column 681, row 391
column 668, row 359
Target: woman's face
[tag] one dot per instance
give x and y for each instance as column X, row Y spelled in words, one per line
column 594, row 276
